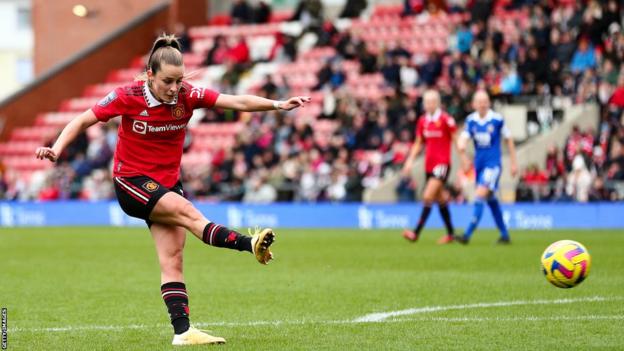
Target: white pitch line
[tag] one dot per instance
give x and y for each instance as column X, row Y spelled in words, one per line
column 381, row 316
column 366, row 319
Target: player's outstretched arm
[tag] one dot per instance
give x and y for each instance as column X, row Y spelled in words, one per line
column 69, row 133
column 251, row 103
column 409, row 161
column 512, row 156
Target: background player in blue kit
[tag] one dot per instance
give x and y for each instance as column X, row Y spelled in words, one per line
column 486, row 128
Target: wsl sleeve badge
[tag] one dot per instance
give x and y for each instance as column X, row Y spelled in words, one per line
column 108, row 99
column 566, row 263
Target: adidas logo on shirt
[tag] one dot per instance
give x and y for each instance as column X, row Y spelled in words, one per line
column 144, row 113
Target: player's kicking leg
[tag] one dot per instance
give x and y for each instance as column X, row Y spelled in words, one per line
column 174, row 209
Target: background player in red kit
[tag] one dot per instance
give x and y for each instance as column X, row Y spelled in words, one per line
column 154, row 112
column 435, row 131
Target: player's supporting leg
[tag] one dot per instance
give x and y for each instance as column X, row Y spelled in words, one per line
column 482, row 193
column 169, row 241
column 174, row 209
column 498, row 218
column 446, row 217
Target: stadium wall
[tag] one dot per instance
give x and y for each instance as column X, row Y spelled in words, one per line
column 363, row 216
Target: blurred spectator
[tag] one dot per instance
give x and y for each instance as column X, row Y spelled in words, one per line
column 599, row 192
column 239, row 53
column 218, row 53
column 331, row 73
column 406, row 190
column 464, row 38
column 584, row 57
column 533, row 185
column 258, row 191
column 183, row 37
column 353, row 8
column 98, row 186
column 413, row 7
column 617, row 99
column 262, row 12
column 241, row 12
column 579, row 180
column 431, row 69
column 510, row 83
column 309, row 13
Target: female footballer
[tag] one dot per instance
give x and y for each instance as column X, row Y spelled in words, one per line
column 435, row 130
column 155, row 110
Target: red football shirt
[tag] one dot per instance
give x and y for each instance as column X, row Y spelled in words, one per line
column 151, row 133
column 436, row 132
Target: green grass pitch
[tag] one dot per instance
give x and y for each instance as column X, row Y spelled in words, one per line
column 97, row 288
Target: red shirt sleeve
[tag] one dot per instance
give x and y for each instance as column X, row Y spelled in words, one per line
column 110, row 106
column 201, row 97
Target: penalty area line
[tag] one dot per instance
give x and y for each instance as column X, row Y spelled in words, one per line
column 381, row 316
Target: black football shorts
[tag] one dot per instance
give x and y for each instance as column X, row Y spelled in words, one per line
column 138, row 195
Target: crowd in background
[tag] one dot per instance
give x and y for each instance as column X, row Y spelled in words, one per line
column 568, row 52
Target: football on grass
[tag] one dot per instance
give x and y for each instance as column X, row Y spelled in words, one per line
column 566, row 263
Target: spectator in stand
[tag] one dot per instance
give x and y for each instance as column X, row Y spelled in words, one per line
column 284, row 49
column 50, row 190
column 412, row 7
column 183, row 37
column 258, row 191
column 241, row 12
column 481, row 9
column 510, row 83
column 584, row 57
column 534, row 183
column 368, row 61
column 98, row 186
column 572, row 146
column 391, row 70
column 599, row 192
column 579, row 180
column 239, row 53
column 336, row 191
column 331, row 73
column 353, row 8
column 555, row 170
column 431, row 70
column 464, row 38
column 218, row 53
column 262, row 12
column 310, row 14
column 617, row 99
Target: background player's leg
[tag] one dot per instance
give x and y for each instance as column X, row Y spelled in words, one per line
column 429, row 196
column 482, row 193
column 169, row 242
column 174, row 209
column 498, row 218
column 443, row 199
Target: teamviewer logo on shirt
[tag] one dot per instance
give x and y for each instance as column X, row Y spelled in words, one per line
column 139, row 127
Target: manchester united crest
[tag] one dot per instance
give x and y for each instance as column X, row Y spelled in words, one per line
column 150, row 186
column 178, row 111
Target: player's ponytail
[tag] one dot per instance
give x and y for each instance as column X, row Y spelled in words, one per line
column 165, row 50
